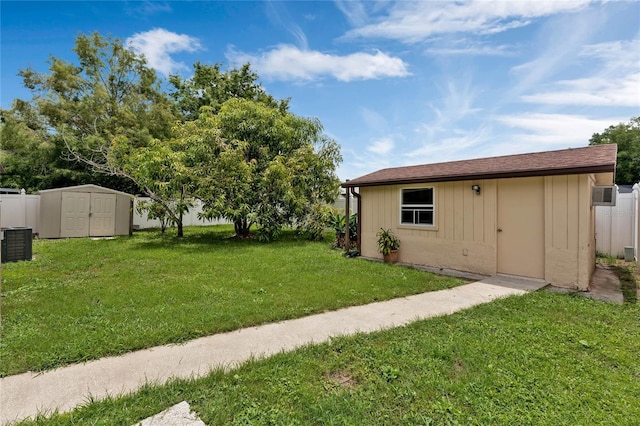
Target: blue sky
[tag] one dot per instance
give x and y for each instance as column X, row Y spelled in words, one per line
column 395, row 83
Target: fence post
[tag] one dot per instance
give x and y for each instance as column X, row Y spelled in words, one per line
column 23, row 204
column 636, row 218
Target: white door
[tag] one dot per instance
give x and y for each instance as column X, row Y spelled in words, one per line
column 521, row 227
column 103, row 215
column 75, row 214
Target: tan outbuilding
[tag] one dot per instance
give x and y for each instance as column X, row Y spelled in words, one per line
column 85, row 211
column 529, row 215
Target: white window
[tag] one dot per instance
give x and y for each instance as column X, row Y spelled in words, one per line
column 416, row 206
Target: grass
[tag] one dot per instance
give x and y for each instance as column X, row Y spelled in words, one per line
column 628, row 273
column 81, row 299
column 627, row 283
column 542, row 358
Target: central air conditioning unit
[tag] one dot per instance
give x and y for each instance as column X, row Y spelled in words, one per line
column 603, row 195
column 16, row 244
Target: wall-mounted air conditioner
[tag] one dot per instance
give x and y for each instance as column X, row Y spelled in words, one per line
column 603, row 196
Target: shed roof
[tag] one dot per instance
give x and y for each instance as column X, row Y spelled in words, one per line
column 86, row 188
column 591, row 159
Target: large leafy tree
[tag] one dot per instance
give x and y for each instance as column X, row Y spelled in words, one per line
column 265, row 167
column 110, row 113
column 27, row 155
column 33, row 158
column 109, row 93
column 211, row 87
column 627, row 136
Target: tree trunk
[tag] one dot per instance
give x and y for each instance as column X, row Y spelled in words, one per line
column 242, row 227
column 180, row 233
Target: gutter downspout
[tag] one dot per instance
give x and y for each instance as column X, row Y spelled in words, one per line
column 359, row 223
column 347, row 237
column 636, row 220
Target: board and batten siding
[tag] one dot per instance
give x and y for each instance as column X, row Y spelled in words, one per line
column 464, row 236
column 569, row 230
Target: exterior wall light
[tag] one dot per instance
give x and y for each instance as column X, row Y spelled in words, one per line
column 476, row 189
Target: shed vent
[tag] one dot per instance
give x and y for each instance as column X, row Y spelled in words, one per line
column 603, row 196
column 16, row 244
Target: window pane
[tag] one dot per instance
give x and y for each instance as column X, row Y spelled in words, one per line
column 417, row 196
column 407, row 216
column 425, row 217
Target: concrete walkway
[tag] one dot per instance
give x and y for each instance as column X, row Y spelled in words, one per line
column 25, row 395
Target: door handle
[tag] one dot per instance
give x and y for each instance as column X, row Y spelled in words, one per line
column 499, row 229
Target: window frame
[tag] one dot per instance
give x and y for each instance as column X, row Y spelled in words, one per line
column 418, row 207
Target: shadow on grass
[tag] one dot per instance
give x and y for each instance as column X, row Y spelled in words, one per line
column 197, row 238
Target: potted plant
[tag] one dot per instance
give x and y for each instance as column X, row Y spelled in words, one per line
column 388, row 245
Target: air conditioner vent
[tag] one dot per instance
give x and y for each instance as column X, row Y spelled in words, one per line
column 603, row 196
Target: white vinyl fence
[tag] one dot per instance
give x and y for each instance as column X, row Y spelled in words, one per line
column 141, row 221
column 20, row 210
column 617, row 227
column 23, row 210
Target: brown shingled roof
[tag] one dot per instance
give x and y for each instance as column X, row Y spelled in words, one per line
column 591, row 159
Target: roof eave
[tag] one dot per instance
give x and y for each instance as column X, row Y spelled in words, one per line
column 604, row 168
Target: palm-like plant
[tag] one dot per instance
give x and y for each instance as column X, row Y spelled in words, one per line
column 387, row 241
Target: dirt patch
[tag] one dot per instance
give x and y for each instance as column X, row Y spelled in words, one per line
column 345, row 380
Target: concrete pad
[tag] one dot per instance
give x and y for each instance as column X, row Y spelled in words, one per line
column 62, row 389
column 178, row 415
column 516, row 282
column 605, row 285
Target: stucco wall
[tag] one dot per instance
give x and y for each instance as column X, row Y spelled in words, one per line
column 464, row 234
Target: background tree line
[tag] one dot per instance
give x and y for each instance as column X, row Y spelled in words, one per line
column 627, row 136
column 217, row 136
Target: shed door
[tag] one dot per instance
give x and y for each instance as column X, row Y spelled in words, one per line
column 75, row 214
column 521, row 227
column 103, row 215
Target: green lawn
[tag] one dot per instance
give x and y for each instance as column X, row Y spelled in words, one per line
column 81, row 299
column 539, row 359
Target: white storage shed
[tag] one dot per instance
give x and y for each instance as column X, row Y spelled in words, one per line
column 85, row 211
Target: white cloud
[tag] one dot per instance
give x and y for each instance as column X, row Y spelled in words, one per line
column 381, row 146
column 557, row 48
column 615, row 53
column 148, row 7
column 158, row 44
column 412, row 22
column 286, row 62
column 277, row 13
column 472, row 50
column 592, row 91
column 354, row 11
column 614, row 79
column 457, row 98
column 549, row 131
column 456, row 144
